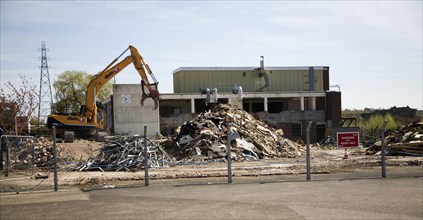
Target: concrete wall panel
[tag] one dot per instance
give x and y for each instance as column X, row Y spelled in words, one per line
column 129, row 116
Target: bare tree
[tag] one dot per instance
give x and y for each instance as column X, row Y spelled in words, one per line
column 18, row 106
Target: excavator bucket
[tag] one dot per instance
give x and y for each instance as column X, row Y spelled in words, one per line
column 155, row 99
column 153, row 94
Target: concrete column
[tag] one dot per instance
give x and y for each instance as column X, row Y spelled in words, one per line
column 192, row 105
column 265, row 104
column 302, row 103
column 312, row 103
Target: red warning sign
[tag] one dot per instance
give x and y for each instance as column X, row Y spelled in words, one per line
column 347, row 139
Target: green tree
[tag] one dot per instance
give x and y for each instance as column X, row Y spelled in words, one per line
column 71, row 87
column 376, row 122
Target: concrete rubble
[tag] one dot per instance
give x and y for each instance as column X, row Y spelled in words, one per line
column 406, row 141
column 23, row 152
column 205, row 137
column 201, row 140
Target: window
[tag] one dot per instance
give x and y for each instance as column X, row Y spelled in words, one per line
column 296, row 130
column 275, row 107
column 257, row 107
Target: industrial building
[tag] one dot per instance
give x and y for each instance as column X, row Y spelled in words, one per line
column 284, row 97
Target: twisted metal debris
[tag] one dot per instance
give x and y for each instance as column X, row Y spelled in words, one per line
column 126, row 153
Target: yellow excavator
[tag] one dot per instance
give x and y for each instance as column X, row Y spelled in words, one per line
column 90, row 118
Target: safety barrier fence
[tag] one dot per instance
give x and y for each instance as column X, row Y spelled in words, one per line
column 25, row 166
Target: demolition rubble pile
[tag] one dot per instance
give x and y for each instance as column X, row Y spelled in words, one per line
column 43, row 152
column 408, row 140
column 205, row 137
column 25, row 152
column 126, row 153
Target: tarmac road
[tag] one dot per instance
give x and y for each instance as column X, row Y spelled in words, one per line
column 400, row 196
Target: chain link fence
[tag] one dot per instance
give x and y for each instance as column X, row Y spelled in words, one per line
column 25, row 165
column 164, row 167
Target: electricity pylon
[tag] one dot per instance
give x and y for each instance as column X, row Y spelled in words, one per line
column 45, row 96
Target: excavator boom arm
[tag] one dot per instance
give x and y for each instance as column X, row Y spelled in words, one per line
column 142, row 67
column 99, row 80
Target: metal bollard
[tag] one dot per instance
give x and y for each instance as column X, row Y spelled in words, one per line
column 56, row 185
column 33, row 158
column 308, row 150
column 228, row 145
column 383, row 149
column 146, row 183
column 231, row 136
column 7, row 160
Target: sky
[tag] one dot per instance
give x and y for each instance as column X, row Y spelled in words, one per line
column 373, row 48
